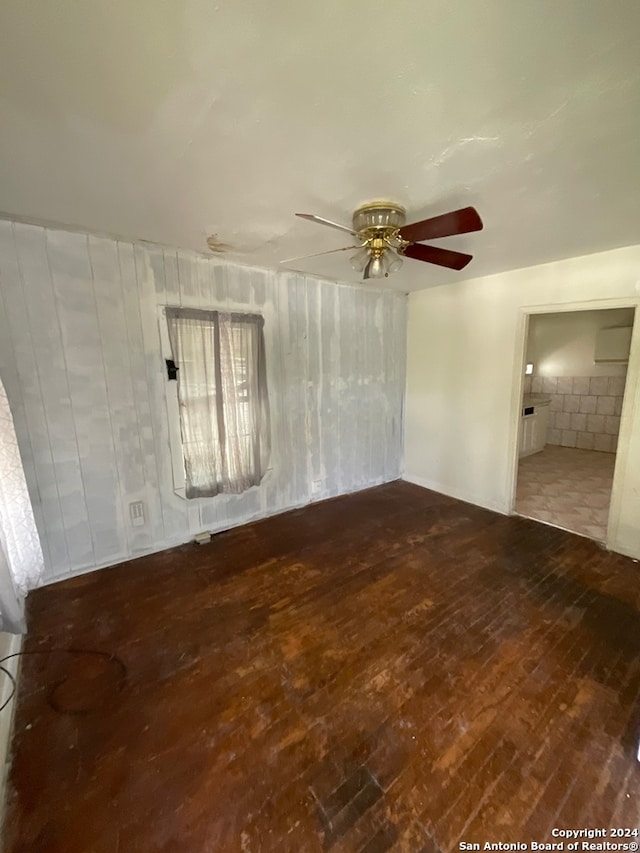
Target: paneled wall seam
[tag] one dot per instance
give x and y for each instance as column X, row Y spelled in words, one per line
column 38, row 372
column 20, row 407
column 153, row 432
column 71, row 405
column 123, row 509
column 130, row 348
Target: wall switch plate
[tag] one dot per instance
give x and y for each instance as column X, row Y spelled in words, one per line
column 136, row 513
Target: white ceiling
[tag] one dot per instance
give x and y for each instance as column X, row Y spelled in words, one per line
column 169, row 120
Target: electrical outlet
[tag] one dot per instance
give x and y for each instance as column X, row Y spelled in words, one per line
column 136, row 513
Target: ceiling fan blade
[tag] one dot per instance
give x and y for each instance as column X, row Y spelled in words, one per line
column 321, row 221
column 317, row 254
column 456, row 222
column 436, row 255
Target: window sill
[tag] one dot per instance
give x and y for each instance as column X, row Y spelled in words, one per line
column 181, row 492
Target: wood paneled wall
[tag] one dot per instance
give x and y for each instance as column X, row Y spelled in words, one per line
column 81, row 360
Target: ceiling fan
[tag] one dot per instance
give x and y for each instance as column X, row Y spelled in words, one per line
column 384, row 239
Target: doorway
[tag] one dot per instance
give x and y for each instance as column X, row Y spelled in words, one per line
column 569, row 419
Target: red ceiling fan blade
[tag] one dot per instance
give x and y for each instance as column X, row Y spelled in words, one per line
column 436, row 255
column 322, row 221
column 456, row 222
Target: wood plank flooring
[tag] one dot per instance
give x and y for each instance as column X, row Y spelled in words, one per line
column 391, row 670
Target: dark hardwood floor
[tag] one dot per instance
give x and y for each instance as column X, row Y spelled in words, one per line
column 389, row 670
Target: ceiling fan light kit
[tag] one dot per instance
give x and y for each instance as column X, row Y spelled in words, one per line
column 360, row 259
column 379, row 215
column 384, row 239
column 377, row 225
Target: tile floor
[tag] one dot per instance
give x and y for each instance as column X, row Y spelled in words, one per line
column 567, row 487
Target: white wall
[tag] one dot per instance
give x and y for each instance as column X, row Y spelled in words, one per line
column 81, row 362
column 564, row 344
column 466, row 344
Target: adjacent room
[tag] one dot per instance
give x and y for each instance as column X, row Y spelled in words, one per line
column 309, row 315
column 573, row 394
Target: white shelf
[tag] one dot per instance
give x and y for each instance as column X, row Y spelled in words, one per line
column 613, row 345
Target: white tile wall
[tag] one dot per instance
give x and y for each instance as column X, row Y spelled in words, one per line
column 588, row 404
column 579, row 422
column 584, row 410
column 580, row 385
column 598, row 385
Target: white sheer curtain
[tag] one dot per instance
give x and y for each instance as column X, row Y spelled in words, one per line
column 222, row 391
column 21, row 563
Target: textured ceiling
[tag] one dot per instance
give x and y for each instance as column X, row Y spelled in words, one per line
column 170, row 120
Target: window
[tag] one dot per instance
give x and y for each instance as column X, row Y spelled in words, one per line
column 222, row 397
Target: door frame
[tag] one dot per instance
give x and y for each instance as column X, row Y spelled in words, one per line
column 632, row 381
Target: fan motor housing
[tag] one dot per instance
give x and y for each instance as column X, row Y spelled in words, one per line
column 379, row 216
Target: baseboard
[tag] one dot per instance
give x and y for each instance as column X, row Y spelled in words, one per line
column 9, row 645
column 626, row 552
column 458, row 494
column 167, row 545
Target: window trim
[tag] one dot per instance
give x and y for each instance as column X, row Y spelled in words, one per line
column 173, row 410
column 172, row 403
